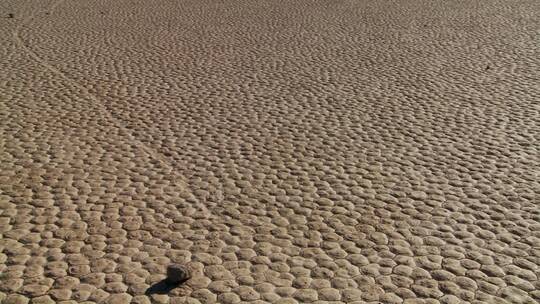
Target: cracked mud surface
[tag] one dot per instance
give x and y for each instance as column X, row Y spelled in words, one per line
column 285, row 151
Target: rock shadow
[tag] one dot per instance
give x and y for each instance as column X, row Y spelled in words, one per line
column 162, row 287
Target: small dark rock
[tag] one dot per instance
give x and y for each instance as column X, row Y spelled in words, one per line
column 487, row 67
column 10, row 15
column 177, row 274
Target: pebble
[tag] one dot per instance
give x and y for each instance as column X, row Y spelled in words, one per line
column 177, row 274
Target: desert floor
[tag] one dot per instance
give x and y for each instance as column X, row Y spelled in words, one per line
column 311, row 151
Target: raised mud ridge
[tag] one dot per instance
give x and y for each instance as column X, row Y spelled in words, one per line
column 343, row 151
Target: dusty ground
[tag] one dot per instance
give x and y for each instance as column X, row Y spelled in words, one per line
column 340, row 151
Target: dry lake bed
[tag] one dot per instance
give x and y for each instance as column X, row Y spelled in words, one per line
column 310, row 151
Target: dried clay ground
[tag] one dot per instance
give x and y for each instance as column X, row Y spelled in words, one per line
column 311, row 151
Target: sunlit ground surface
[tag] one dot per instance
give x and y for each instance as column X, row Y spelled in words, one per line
column 353, row 151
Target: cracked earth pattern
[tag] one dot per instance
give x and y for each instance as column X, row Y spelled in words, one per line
column 342, row 151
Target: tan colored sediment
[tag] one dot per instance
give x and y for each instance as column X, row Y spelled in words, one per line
column 285, row 151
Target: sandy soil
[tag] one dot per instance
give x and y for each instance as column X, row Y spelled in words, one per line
column 340, row 151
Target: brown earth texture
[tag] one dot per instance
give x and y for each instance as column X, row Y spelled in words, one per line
column 310, row 151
